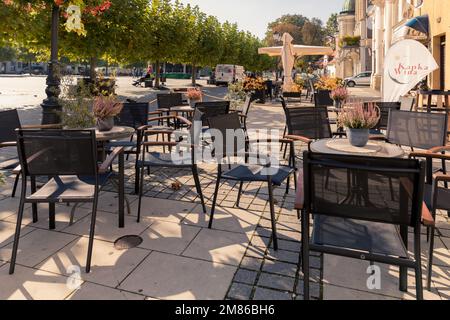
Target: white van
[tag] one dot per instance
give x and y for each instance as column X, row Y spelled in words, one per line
column 228, row 73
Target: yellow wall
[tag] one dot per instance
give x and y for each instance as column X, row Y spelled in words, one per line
column 439, row 13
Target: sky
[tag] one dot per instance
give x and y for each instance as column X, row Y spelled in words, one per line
column 255, row 15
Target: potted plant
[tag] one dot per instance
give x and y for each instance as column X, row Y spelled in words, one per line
column 339, row 96
column 325, row 85
column 105, row 108
column 257, row 88
column 194, row 95
column 358, row 119
column 236, row 95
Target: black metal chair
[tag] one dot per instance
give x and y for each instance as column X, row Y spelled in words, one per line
column 166, row 101
column 385, row 110
column 245, row 110
column 211, row 109
column 134, row 115
column 178, row 159
column 9, row 122
column 69, row 159
column 357, row 218
column 239, row 145
column 322, row 98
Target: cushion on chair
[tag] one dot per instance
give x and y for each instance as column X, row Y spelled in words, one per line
column 245, row 173
column 372, row 237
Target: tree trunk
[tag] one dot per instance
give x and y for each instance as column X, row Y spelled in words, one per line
column 194, row 75
column 93, row 65
column 157, row 74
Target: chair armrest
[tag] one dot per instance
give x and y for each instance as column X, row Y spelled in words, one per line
column 298, row 138
column 429, row 155
column 104, row 167
column 44, row 126
column 153, row 113
column 179, row 118
column 300, row 196
column 442, row 177
column 427, row 218
column 8, row 144
column 439, row 149
column 150, row 132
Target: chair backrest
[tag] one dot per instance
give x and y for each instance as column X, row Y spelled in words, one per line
column 417, row 129
column 57, row 152
column 355, row 187
column 385, row 109
column 322, row 98
column 233, row 138
column 407, row 103
column 133, row 115
column 247, row 104
column 212, row 109
column 169, row 100
column 309, row 122
column 9, row 122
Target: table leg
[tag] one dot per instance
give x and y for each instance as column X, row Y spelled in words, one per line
column 121, row 191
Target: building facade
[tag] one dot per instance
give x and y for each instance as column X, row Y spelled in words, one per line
column 353, row 43
column 389, row 19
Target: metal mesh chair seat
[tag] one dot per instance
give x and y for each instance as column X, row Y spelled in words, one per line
column 365, row 236
column 68, row 188
column 443, row 197
column 244, row 173
column 157, row 159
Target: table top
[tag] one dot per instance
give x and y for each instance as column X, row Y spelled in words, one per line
column 374, row 149
column 182, row 109
column 115, row 133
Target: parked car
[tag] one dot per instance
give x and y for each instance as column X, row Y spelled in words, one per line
column 228, row 73
column 362, row 79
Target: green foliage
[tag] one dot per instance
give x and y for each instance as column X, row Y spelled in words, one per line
column 76, row 101
column 236, row 94
column 349, row 41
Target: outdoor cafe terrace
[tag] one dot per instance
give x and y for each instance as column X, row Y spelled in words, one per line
column 171, row 253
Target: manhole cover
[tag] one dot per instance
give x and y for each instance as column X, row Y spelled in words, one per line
column 127, row 242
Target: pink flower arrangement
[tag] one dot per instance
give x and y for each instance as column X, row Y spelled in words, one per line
column 339, row 94
column 359, row 116
column 194, row 94
column 106, row 107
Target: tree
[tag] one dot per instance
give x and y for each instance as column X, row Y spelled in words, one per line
column 205, row 43
column 312, row 32
column 332, row 26
column 292, row 24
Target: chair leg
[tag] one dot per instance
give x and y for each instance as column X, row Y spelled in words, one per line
column 199, row 187
column 238, row 202
column 141, row 191
column 34, row 205
column 418, row 269
column 72, row 213
column 305, row 254
column 404, row 270
column 272, row 216
column 51, row 212
column 12, row 266
column 136, row 178
column 16, row 182
column 91, row 234
column 430, row 259
column 211, row 218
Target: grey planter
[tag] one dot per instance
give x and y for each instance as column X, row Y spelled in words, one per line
column 358, row 137
column 105, row 124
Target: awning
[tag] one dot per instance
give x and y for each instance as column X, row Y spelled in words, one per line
column 421, row 24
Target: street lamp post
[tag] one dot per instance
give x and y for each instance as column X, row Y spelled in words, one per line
column 50, row 106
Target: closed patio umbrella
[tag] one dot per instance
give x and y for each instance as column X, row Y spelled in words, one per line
column 289, row 52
